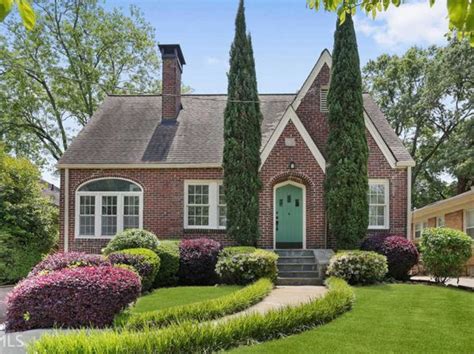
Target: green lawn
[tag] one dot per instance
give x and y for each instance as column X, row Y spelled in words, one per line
column 397, row 318
column 182, row 295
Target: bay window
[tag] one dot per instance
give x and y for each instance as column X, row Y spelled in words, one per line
column 107, row 206
column 378, row 204
column 205, row 206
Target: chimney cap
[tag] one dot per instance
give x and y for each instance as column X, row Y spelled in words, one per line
column 172, row 49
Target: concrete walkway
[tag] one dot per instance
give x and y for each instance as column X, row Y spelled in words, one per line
column 466, row 283
column 283, row 296
column 4, row 290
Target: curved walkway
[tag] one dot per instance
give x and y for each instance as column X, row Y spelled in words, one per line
column 283, row 296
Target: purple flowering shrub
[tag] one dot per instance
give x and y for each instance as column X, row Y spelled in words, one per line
column 57, row 261
column 145, row 262
column 72, row 298
column 197, row 261
column 401, row 253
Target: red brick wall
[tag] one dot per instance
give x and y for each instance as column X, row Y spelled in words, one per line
column 163, row 203
column 307, row 172
column 309, row 112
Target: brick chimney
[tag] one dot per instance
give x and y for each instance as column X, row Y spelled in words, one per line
column 173, row 61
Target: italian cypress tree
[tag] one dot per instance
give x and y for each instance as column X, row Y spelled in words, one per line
column 346, row 179
column 242, row 139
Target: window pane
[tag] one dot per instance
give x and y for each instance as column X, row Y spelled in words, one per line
column 222, row 216
column 110, row 185
column 109, row 215
column 198, row 215
column 470, row 218
column 198, row 195
column 221, row 195
column 86, row 215
column 470, row 232
column 131, row 212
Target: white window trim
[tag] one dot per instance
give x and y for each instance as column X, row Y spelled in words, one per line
column 437, row 221
column 213, row 204
column 386, row 184
column 465, row 220
column 98, row 209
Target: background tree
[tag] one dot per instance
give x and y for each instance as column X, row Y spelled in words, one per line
column 460, row 12
column 242, row 139
column 428, row 97
column 28, row 221
column 346, row 177
column 53, row 77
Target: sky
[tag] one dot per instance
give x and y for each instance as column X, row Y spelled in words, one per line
column 287, row 37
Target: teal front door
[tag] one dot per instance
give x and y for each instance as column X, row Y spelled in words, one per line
column 289, row 216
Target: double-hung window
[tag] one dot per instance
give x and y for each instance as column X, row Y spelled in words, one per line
column 107, row 206
column 469, row 222
column 418, row 230
column 378, row 204
column 440, row 221
column 205, row 206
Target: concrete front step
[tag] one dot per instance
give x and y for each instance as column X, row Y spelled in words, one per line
column 289, row 259
column 299, row 281
column 297, row 266
column 298, row 274
column 294, row 253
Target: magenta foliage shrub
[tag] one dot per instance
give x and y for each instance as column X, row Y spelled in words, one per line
column 401, row 253
column 59, row 261
column 72, row 298
column 197, row 261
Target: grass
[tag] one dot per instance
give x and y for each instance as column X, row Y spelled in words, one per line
column 182, row 295
column 398, row 318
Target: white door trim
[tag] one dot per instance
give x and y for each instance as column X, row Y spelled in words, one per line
column 296, row 184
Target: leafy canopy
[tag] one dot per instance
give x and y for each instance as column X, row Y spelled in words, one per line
column 460, row 12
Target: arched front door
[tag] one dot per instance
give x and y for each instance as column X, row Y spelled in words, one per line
column 289, row 215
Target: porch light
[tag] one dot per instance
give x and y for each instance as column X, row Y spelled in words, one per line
column 292, row 165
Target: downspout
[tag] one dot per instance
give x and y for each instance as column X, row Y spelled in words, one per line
column 66, row 209
column 409, row 203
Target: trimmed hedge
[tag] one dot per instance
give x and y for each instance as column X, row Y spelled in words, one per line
column 358, row 267
column 401, row 253
column 197, row 261
column 143, row 260
column 230, row 251
column 444, row 252
column 192, row 337
column 73, row 298
column 167, row 275
column 58, row 261
column 244, row 268
column 132, row 238
column 202, row 311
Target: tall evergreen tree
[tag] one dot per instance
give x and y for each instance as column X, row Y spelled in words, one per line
column 242, row 139
column 346, row 180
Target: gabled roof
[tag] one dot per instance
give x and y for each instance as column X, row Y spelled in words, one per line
column 127, row 131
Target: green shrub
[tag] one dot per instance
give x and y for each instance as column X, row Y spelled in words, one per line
column 358, row 267
column 201, row 311
column 192, row 337
column 28, row 221
column 444, row 252
column 244, row 268
column 230, row 251
column 144, row 261
column 167, row 275
column 132, row 238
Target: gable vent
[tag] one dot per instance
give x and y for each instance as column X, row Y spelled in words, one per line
column 323, row 100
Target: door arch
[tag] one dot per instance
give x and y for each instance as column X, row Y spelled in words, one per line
column 289, row 215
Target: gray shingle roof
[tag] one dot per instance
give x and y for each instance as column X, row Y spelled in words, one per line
column 126, row 130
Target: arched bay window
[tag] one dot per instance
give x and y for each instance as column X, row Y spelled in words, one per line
column 107, row 206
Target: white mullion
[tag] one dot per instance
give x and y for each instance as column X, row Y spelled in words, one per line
column 213, row 205
column 98, row 214
column 120, row 212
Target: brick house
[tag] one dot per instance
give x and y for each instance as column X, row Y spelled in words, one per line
column 154, row 162
column 456, row 213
